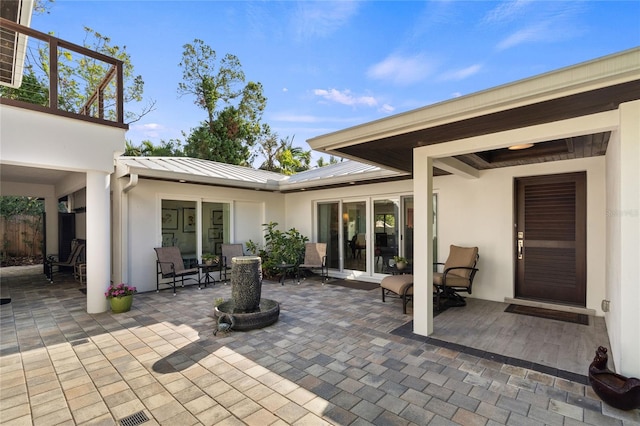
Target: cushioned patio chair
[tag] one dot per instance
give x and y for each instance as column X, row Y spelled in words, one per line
column 229, row 251
column 315, row 257
column 75, row 257
column 457, row 275
column 171, row 265
column 398, row 286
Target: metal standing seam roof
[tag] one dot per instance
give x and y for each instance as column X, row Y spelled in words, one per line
column 197, row 170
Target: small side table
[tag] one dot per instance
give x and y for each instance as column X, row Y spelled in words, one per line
column 286, row 268
column 207, row 270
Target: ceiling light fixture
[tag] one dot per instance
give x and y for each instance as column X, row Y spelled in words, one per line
column 520, row 146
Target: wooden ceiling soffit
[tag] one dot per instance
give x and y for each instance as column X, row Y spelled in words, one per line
column 397, row 151
column 561, row 149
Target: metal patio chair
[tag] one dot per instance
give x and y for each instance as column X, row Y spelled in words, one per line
column 171, row 265
column 77, row 249
column 315, row 257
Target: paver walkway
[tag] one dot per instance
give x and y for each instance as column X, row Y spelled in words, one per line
column 330, row 359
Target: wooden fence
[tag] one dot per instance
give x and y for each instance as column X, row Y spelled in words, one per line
column 21, row 236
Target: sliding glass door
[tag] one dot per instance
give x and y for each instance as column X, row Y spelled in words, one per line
column 385, row 228
column 328, row 227
column 354, row 231
column 364, row 236
column 179, row 228
column 215, row 226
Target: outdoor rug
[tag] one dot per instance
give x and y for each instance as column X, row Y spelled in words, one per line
column 549, row 314
column 5, row 300
column 359, row 285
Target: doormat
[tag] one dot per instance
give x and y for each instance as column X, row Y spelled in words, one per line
column 359, row 285
column 549, row 314
column 5, row 300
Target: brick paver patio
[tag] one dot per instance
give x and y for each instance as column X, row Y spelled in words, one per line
column 330, row 359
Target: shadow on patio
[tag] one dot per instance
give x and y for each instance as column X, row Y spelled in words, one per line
column 330, row 359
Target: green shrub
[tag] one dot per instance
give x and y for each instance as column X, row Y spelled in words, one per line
column 280, row 247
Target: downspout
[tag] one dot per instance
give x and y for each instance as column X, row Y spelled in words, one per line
column 124, row 227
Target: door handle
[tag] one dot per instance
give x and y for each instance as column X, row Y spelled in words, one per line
column 520, row 249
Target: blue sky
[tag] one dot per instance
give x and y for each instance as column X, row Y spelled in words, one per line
column 326, row 66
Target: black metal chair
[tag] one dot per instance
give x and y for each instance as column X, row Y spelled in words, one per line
column 171, row 265
column 77, row 249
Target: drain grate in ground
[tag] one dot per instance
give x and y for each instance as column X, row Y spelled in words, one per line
column 134, row 419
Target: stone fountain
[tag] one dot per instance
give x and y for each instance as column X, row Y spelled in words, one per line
column 247, row 310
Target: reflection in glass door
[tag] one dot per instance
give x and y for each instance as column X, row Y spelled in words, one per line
column 215, row 226
column 328, row 232
column 179, row 228
column 385, row 216
column 407, row 238
column 354, row 231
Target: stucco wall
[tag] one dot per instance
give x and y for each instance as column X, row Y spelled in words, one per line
column 623, row 234
column 479, row 212
column 250, row 210
column 37, row 139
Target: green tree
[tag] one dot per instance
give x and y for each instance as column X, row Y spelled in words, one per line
column 233, row 109
column 32, row 90
column 281, row 156
column 170, row 148
column 79, row 77
column 321, row 162
column 292, row 159
column 268, row 147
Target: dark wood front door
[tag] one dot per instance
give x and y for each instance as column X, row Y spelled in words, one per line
column 550, row 238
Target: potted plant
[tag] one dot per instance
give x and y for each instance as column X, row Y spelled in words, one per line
column 401, row 262
column 120, row 297
column 210, row 258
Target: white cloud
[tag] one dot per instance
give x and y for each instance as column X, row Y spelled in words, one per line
column 539, row 32
column 306, row 118
column 387, row 109
column 284, row 89
column 542, row 22
column 322, row 18
column 345, row 97
column 506, row 11
column 462, row 73
column 456, row 94
column 402, row 70
column 294, row 118
column 149, row 130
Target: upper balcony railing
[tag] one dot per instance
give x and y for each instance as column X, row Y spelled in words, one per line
column 60, row 77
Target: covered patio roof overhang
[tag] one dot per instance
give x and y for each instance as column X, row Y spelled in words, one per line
column 566, row 114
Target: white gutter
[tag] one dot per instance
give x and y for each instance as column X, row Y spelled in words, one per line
column 133, row 181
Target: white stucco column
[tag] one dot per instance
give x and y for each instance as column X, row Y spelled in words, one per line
column 423, row 243
column 628, row 357
column 98, row 241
